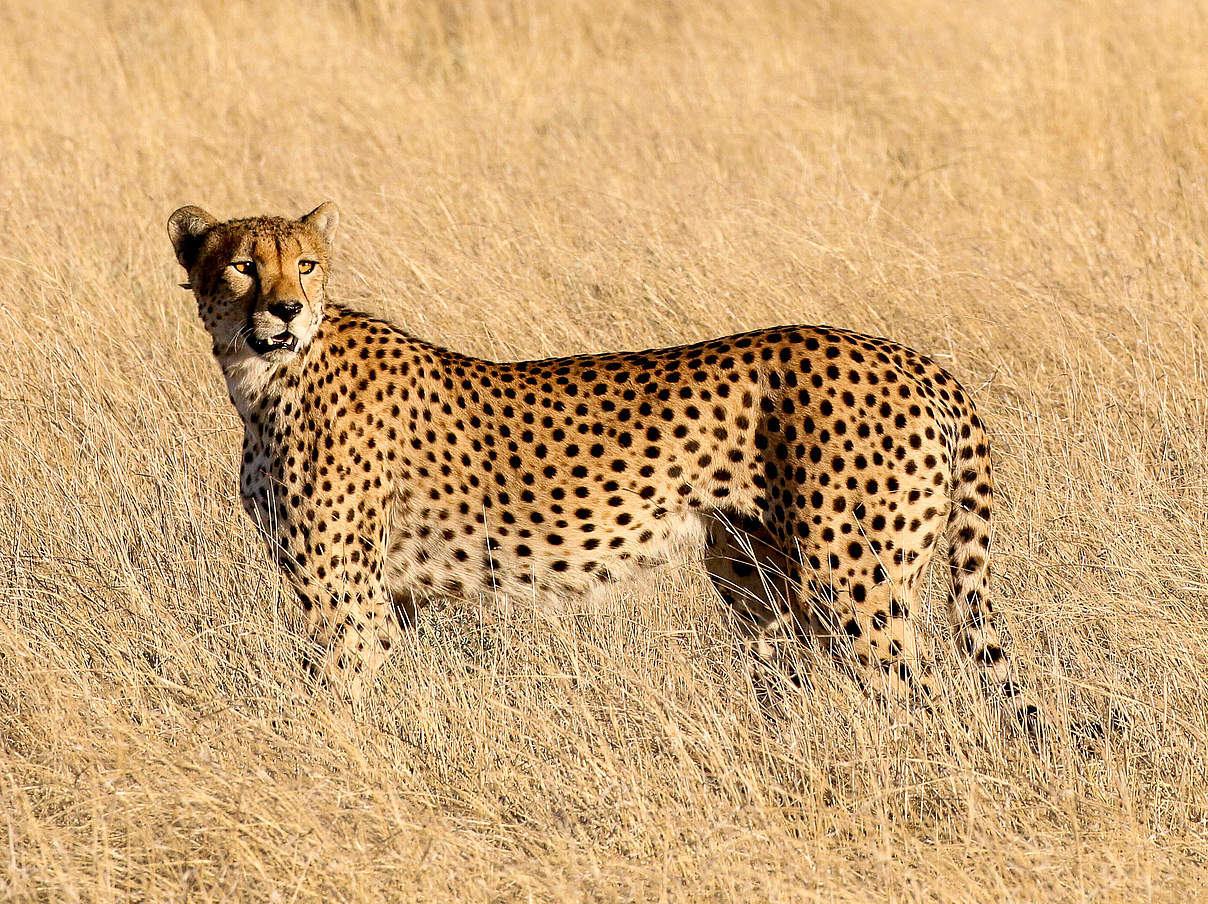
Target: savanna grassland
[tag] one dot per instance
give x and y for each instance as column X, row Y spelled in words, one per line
column 1020, row 190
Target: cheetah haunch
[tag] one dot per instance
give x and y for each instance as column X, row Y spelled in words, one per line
column 385, row 471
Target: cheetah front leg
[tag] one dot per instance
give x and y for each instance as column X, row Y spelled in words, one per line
column 355, row 644
column 349, row 613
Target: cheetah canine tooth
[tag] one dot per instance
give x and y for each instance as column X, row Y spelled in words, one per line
column 818, row 466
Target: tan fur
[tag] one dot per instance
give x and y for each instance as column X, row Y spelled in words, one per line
column 822, row 465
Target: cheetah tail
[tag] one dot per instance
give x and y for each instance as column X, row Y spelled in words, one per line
column 968, row 532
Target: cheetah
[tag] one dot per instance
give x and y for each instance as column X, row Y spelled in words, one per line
column 385, row 471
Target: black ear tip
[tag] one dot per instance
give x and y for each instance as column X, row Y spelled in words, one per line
column 186, row 228
column 324, row 219
column 189, row 220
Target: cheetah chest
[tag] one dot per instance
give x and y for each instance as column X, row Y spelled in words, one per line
column 255, row 481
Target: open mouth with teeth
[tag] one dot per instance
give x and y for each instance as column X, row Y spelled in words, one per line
column 286, row 341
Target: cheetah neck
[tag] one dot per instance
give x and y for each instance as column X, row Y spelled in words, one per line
column 247, row 382
column 254, row 383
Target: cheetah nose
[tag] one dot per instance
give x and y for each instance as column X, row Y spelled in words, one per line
column 285, row 310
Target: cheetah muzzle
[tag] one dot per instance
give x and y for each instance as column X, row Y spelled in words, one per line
column 284, row 341
column 385, row 471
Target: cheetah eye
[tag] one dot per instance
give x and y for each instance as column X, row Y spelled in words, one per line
column 244, row 267
column 305, row 267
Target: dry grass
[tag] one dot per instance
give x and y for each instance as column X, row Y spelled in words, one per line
column 1018, row 190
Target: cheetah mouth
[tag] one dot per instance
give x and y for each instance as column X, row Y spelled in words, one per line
column 284, row 341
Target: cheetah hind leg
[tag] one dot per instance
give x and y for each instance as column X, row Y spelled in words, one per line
column 752, row 576
column 876, row 640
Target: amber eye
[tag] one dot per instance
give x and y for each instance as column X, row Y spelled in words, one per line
column 244, row 267
column 305, row 267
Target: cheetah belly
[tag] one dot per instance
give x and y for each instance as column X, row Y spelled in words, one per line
column 433, row 561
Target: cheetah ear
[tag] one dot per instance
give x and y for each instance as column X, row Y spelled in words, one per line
column 323, row 220
column 187, row 227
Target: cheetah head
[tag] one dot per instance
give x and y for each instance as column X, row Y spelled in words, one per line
column 260, row 283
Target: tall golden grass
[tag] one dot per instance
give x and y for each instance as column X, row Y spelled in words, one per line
column 1018, row 189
